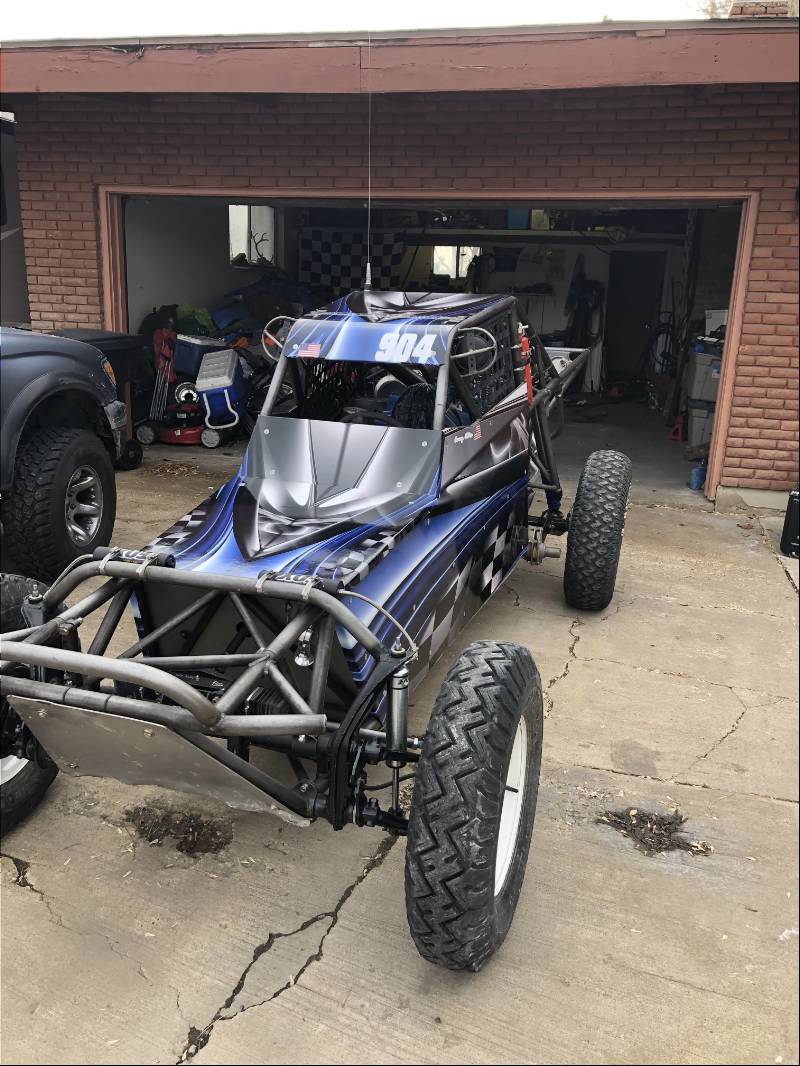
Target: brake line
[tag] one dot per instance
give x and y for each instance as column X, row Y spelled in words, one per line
column 413, row 649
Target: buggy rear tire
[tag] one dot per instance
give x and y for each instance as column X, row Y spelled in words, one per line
column 63, row 482
column 474, row 804
column 596, row 525
column 23, row 782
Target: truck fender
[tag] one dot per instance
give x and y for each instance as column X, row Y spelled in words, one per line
column 25, row 403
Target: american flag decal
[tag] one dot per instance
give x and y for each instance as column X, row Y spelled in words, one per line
column 476, row 431
column 309, row 351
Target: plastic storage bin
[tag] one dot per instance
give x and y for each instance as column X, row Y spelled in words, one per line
column 700, row 422
column 704, row 373
column 189, row 352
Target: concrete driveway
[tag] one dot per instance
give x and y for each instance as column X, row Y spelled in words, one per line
column 291, row 945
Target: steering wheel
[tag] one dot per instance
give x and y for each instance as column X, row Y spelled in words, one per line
column 359, row 417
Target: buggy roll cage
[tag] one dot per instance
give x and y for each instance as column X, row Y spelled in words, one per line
column 144, row 679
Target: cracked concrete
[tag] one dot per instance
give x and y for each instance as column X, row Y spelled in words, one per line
column 571, row 657
column 719, row 740
column 197, row 1039
column 21, row 880
column 291, row 945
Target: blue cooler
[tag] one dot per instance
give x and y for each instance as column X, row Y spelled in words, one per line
column 189, row 353
column 221, row 388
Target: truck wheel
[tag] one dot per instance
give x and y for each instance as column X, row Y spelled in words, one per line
column 23, row 782
column 63, row 500
column 594, row 540
column 474, row 803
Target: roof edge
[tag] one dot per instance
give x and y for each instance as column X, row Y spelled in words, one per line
column 398, row 36
column 608, row 55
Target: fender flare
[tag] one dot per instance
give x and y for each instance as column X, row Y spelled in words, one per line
column 23, row 405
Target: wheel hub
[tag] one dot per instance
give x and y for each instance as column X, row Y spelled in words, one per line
column 83, row 505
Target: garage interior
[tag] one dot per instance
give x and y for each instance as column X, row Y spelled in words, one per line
column 644, row 284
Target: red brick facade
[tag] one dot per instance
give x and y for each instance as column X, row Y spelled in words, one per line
column 600, row 141
column 763, row 10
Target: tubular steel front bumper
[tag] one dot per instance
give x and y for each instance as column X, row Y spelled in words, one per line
column 155, row 728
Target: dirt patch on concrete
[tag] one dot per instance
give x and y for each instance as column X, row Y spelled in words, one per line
column 168, row 468
column 191, row 834
column 653, row 833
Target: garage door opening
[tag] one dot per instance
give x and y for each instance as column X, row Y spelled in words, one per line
column 645, row 285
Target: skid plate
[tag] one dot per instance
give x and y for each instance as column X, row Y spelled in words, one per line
column 89, row 743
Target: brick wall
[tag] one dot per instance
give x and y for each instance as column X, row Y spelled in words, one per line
column 683, row 138
column 769, row 9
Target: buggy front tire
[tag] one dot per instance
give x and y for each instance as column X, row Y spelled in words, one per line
column 23, row 782
column 596, row 525
column 473, row 807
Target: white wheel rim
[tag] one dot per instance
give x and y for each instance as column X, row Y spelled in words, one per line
column 511, row 812
column 10, row 766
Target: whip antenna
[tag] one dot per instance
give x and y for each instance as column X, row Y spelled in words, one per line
column 368, row 271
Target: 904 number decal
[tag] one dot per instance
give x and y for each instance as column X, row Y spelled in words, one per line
column 406, row 348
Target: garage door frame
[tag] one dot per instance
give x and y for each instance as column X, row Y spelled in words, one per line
column 112, row 253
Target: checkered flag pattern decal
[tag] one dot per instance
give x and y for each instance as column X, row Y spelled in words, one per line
column 495, row 562
column 351, row 565
column 183, row 528
column 494, row 557
column 336, row 259
column 444, row 618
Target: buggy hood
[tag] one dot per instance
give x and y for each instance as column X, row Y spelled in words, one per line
column 304, row 481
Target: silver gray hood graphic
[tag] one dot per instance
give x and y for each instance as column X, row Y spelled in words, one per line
column 306, row 480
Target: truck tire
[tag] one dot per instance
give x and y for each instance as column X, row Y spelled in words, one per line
column 596, row 524
column 474, row 804
column 23, row 782
column 63, row 500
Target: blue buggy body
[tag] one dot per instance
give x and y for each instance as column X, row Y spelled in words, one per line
column 427, row 522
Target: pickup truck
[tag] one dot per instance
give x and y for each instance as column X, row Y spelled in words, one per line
column 62, row 429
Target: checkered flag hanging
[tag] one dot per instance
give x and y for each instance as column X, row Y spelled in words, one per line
column 336, row 259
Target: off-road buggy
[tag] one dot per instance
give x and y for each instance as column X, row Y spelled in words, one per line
column 381, row 501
